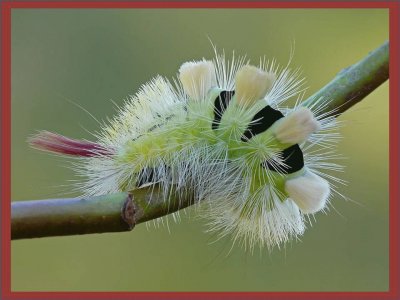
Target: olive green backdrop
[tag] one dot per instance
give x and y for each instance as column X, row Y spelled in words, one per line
column 96, row 57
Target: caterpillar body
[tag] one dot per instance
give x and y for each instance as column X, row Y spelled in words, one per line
column 220, row 131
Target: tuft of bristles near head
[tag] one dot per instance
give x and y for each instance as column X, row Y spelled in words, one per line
column 252, row 84
column 310, row 192
column 296, row 127
column 197, row 78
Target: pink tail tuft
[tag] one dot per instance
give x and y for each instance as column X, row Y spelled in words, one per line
column 52, row 142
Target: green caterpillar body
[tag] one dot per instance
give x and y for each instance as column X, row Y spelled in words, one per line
column 220, row 132
column 191, row 128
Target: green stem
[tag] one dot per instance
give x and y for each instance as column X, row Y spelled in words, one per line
column 52, row 217
column 107, row 213
column 354, row 83
column 121, row 212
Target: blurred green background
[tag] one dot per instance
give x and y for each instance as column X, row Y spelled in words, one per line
column 97, row 56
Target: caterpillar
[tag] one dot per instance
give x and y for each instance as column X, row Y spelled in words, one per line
column 222, row 131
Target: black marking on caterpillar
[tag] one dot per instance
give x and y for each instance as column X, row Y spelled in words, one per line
column 149, row 176
column 293, row 159
column 155, row 126
column 146, row 176
column 261, row 122
column 220, row 105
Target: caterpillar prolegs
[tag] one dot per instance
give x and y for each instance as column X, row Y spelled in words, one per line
column 221, row 130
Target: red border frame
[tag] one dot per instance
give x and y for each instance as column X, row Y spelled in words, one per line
column 393, row 293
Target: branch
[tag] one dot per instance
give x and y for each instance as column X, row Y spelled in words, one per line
column 72, row 216
column 354, row 83
column 108, row 213
column 121, row 212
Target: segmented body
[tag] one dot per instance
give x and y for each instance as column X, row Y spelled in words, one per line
column 229, row 143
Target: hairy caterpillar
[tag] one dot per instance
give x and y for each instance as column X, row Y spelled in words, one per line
column 222, row 132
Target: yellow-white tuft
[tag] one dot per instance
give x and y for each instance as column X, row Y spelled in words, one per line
column 197, row 78
column 252, row 84
column 310, row 192
column 296, row 127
